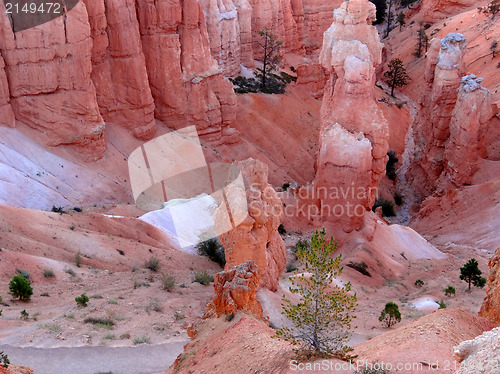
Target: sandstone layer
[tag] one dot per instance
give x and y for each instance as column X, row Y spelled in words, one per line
column 235, row 289
column 354, row 133
column 433, row 10
column 109, row 61
column 491, row 305
column 257, row 238
column 479, row 355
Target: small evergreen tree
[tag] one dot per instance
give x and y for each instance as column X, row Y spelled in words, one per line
column 471, row 274
column 4, row 360
column 450, row 290
column 322, row 319
column 423, row 41
column 396, row 76
column 390, row 315
column 82, row 300
column 401, row 20
column 270, row 55
column 20, row 287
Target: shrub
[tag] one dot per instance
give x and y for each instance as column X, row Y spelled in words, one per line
column 99, row 321
column 390, row 315
column 290, row 268
column 419, row 283
column 450, row 290
column 178, row 315
column 302, row 244
column 398, row 199
column 24, row 315
column 4, row 360
column 58, row 209
column 154, row 305
column 82, row 300
column 390, row 167
column 372, row 369
column 23, row 273
column 142, row 340
column 213, row 249
column 152, row 264
column 47, row 273
column 20, row 287
column 229, row 317
column 285, row 186
column 202, row 277
column 442, row 305
column 168, row 282
column 387, row 207
column 78, row 259
column 121, row 252
column 70, row 272
column 361, row 267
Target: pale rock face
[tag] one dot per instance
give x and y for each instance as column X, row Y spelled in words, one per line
column 479, row 355
column 48, row 69
column 257, row 238
column 351, row 51
column 491, row 305
column 235, row 289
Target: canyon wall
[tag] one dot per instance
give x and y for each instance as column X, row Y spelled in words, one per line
column 233, row 27
column 491, row 305
column 109, row 61
column 433, row 10
column 449, row 130
column 354, row 133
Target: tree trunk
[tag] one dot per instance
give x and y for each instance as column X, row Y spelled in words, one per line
column 264, row 67
column 388, row 19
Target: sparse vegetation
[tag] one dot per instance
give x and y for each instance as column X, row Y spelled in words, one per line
column 213, row 249
column 422, row 41
column 142, row 340
column 300, row 245
column 229, row 317
column 372, row 368
column 82, row 300
column 78, row 259
column 99, row 321
column 471, row 274
column 152, row 264
column 4, row 360
column 361, row 267
column 168, row 282
column 70, row 272
column 322, row 319
column 179, row 314
column 270, row 58
column 285, row 186
column 57, row 209
column 154, row 305
column 396, row 75
column 401, row 20
column 20, row 287
column 442, row 305
column 450, row 290
column 23, row 273
column 387, row 207
column 390, row 167
column 398, row 199
column 291, row 268
column 419, row 283
column 47, row 273
column 390, row 315
column 202, row 277
column 24, row 315
column 281, row 229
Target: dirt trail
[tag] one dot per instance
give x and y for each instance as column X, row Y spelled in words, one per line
column 143, row 359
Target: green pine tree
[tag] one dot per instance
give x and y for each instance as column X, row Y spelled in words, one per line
column 471, row 274
column 322, row 319
column 396, row 76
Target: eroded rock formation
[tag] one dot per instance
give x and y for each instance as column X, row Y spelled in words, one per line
column 257, row 238
column 447, row 132
column 479, row 355
column 112, row 61
column 235, row 289
column 233, row 27
column 354, row 132
column 491, row 305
